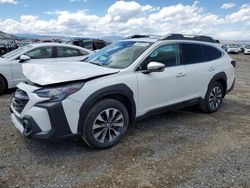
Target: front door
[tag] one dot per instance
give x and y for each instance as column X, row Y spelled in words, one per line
column 159, row 89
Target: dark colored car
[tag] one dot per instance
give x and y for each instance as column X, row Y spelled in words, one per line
column 91, row 44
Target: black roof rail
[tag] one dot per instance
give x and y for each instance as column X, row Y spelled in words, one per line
column 143, row 36
column 189, row 37
column 137, row 36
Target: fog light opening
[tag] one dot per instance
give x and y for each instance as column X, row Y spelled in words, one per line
column 26, row 126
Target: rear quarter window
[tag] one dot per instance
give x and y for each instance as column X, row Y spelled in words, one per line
column 211, row 52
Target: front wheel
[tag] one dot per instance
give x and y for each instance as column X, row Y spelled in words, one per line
column 106, row 124
column 213, row 99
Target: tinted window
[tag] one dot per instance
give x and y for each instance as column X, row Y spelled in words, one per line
column 99, row 44
column 87, row 44
column 212, row 52
column 40, row 53
column 166, row 54
column 67, row 52
column 191, row 53
column 77, row 43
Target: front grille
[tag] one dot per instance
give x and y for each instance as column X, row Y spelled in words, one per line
column 19, row 101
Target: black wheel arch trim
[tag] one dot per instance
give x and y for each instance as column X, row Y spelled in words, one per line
column 220, row 75
column 117, row 89
column 5, row 81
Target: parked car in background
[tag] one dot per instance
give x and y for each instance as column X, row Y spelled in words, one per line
column 247, row 50
column 11, row 63
column 127, row 80
column 233, row 48
column 7, row 46
column 91, row 44
column 3, row 49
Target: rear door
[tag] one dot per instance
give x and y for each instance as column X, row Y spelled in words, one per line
column 198, row 67
column 66, row 54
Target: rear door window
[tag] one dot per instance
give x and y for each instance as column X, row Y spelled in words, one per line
column 191, row 54
column 87, row 44
column 67, row 52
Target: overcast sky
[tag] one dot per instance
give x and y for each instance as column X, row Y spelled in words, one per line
column 95, row 18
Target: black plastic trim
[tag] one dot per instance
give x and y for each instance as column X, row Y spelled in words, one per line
column 233, row 63
column 220, row 75
column 231, row 88
column 58, row 120
column 171, row 107
column 118, row 89
column 34, row 128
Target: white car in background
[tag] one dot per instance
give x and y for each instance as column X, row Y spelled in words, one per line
column 247, row 49
column 233, row 48
column 11, row 63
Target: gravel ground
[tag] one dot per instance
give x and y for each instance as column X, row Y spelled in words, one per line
column 184, row 148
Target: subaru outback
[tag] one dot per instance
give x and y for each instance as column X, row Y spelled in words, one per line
column 99, row 98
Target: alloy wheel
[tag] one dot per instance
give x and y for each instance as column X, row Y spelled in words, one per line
column 108, row 125
column 215, row 98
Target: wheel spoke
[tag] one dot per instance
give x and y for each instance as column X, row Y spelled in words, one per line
column 119, row 117
column 110, row 136
column 97, row 126
column 118, row 124
column 115, row 131
column 100, row 118
column 104, row 134
column 107, row 113
column 96, row 135
column 114, row 112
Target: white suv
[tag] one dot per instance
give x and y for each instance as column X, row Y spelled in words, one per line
column 125, row 81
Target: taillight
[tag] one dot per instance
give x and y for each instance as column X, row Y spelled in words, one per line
column 233, row 63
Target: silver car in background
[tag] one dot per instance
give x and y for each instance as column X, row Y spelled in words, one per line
column 11, row 63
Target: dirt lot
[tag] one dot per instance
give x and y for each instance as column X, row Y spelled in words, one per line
column 185, row 148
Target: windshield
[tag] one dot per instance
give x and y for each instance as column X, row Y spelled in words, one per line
column 247, row 47
column 16, row 52
column 118, row 55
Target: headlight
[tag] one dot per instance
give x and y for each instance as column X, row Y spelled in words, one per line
column 59, row 93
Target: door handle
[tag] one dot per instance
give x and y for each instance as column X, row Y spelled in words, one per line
column 181, row 74
column 211, row 69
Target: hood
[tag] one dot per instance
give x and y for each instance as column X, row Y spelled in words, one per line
column 48, row 73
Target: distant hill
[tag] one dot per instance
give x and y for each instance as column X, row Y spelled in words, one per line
column 37, row 36
column 7, row 36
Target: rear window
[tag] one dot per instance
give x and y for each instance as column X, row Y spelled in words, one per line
column 211, row 52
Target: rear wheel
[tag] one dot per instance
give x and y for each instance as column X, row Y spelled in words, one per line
column 106, row 124
column 2, row 85
column 213, row 99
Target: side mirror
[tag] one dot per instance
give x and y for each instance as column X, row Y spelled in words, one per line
column 24, row 58
column 155, row 67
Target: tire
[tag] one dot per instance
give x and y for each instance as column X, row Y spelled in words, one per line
column 213, row 98
column 106, row 124
column 2, row 85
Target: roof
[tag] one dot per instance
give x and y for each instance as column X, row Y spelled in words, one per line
column 152, row 40
column 56, row 44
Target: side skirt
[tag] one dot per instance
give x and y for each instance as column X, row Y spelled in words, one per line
column 168, row 108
